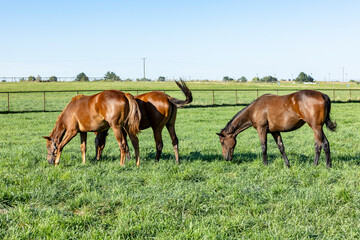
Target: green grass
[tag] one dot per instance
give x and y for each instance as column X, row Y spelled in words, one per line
column 51, row 86
column 204, row 197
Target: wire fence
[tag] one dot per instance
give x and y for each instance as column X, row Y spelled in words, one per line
column 50, row 101
column 45, row 79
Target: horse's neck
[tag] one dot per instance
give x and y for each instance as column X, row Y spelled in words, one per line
column 59, row 129
column 241, row 121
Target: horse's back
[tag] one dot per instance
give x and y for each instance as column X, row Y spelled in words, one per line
column 275, row 113
column 154, row 96
column 311, row 106
column 156, row 109
column 289, row 112
column 111, row 104
column 158, row 100
column 96, row 112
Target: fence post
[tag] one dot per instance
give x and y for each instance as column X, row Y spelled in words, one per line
column 8, row 98
column 44, row 101
column 333, row 94
column 350, row 94
column 257, row 93
column 213, row 97
column 236, row 96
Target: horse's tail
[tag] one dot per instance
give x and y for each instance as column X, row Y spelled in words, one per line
column 329, row 124
column 134, row 117
column 187, row 93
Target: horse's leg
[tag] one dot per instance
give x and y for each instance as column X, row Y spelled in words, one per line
column 83, row 137
column 319, row 138
column 97, row 146
column 263, row 139
column 158, row 142
column 67, row 137
column 135, row 142
column 174, row 139
column 122, row 143
column 326, row 147
column 127, row 151
column 279, row 142
column 100, row 141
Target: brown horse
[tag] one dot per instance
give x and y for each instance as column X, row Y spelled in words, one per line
column 157, row 110
column 274, row 114
column 98, row 113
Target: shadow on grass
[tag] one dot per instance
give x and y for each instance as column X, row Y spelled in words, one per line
column 238, row 158
column 191, row 157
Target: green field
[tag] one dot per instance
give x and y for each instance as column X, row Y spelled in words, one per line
column 204, row 197
column 20, row 97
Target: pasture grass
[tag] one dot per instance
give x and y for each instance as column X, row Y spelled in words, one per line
column 20, row 100
column 204, row 197
column 153, row 85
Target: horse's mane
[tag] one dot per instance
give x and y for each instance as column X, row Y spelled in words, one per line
column 77, row 97
column 58, row 129
column 236, row 116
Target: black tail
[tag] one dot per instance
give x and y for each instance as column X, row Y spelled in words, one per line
column 329, row 124
column 187, row 93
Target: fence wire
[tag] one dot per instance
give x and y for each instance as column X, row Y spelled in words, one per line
column 37, row 101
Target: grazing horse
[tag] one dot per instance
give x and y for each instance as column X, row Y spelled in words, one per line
column 157, row 110
column 274, row 114
column 98, row 113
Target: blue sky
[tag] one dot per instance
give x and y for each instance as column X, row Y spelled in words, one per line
column 188, row 39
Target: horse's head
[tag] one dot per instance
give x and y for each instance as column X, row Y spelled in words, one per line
column 228, row 143
column 52, row 149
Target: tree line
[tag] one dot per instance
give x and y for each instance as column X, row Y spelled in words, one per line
column 82, row 77
column 303, row 77
column 113, row 77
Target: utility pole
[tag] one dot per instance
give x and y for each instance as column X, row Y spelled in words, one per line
column 144, row 67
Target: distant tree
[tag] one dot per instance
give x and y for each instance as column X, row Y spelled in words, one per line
column 255, row 79
column 81, row 77
column 303, row 78
column 111, row 76
column 161, row 79
column 84, row 79
column 38, row 78
column 143, row 80
column 227, row 79
column 53, row 79
column 31, row 79
column 269, row 79
column 242, row 79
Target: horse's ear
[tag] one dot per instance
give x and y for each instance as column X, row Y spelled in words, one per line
column 220, row 134
column 47, row 138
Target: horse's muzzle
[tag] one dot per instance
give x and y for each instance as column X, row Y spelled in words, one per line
column 51, row 159
column 228, row 157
